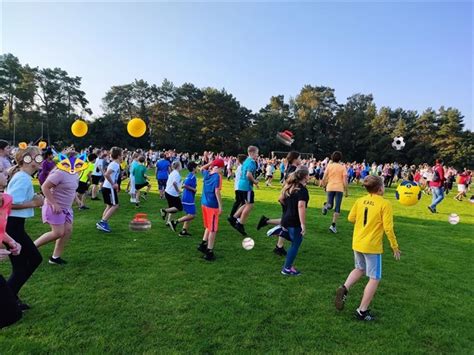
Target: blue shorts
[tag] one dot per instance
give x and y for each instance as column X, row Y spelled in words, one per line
column 371, row 264
column 189, row 209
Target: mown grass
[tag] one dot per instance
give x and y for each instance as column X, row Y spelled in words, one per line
column 150, row 292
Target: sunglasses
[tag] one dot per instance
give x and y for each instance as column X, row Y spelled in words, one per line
column 28, row 159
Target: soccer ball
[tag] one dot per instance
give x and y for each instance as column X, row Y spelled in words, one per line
column 248, row 243
column 398, row 143
column 408, row 193
column 453, row 218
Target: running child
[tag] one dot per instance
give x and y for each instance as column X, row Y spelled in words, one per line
column 211, row 205
column 245, row 193
column 172, row 192
column 162, row 172
column 59, row 190
column 189, row 191
column 238, row 173
column 140, row 179
column 110, row 189
column 372, row 216
column 85, row 180
column 294, row 199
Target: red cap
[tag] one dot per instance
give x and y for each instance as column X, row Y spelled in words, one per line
column 218, row 162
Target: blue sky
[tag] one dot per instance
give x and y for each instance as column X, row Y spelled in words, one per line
column 409, row 55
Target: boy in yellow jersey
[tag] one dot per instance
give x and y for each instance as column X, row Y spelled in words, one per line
column 372, row 216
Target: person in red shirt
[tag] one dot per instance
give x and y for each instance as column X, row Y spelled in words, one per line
column 436, row 185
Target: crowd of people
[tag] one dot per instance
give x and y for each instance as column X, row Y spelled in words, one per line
column 69, row 178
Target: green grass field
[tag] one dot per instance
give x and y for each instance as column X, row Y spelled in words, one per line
column 130, row 292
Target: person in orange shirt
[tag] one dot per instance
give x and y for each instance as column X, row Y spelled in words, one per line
column 335, row 182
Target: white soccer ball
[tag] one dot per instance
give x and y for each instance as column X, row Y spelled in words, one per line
column 453, row 218
column 398, row 143
column 248, row 243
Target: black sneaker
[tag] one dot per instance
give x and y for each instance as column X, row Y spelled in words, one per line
column 172, row 224
column 184, row 233
column 341, row 296
column 232, row 221
column 57, row 261
column 202, row 248
column 432, row 210
column 324, row 210
column 22, row 306
column 279, row 251
column 240, row 228
column 262, row 223
column 82, row 208
column 95, row 199
column 365, row 316
column 163, row 213
column 209, row 256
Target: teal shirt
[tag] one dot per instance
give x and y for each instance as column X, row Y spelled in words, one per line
column 249, row 165
column 139, row 173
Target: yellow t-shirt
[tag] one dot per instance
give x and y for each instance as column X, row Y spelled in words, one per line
column 372, row 215
column 336, row 175
column 84, row 176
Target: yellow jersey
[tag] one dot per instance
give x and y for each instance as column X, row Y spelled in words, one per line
column 372, row 215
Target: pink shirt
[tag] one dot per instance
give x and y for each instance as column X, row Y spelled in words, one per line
column 65, row 186
column 5, row 209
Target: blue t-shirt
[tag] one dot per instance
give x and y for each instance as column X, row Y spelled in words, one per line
column 249, row 165
column 20, row 188
column 210, row 184
column 188, row 196
column 162, row 168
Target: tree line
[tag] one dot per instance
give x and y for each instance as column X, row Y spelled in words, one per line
column 43, row 102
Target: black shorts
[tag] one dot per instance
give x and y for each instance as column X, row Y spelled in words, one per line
column 174, row 201
column 162, row 184
column 245, row 196
column 82, row 188
column 110, row 196
column 141, row 186
column 96, row 179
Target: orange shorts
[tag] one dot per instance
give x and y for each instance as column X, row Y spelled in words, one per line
column 210, row 218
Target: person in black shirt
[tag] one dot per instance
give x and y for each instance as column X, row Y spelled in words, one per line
column 294, row 197
column 294, row 160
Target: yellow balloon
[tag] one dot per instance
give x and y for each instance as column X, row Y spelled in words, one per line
column 79, row 128
column 136, row 127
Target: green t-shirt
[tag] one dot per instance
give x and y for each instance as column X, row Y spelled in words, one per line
column 84, row 173
column 139, row 173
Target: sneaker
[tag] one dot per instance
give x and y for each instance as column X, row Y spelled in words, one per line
column 137, row 205
column 290, row 272
column 57, row 261
column 262, row 223
column 163, row 213
column 103, row 226
column 22, row 306
column 202, row 248
column 133, row 200
column 280, row 251
column 209, row 256
column 240, row 228
column 95, row 199
column 232, row 221
column 333, row 229
column 364, row 315
column 82, row 208
column 324, row 210
column 184, row 233
column 432, row 210
column 172, row 225
column 341, row 296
